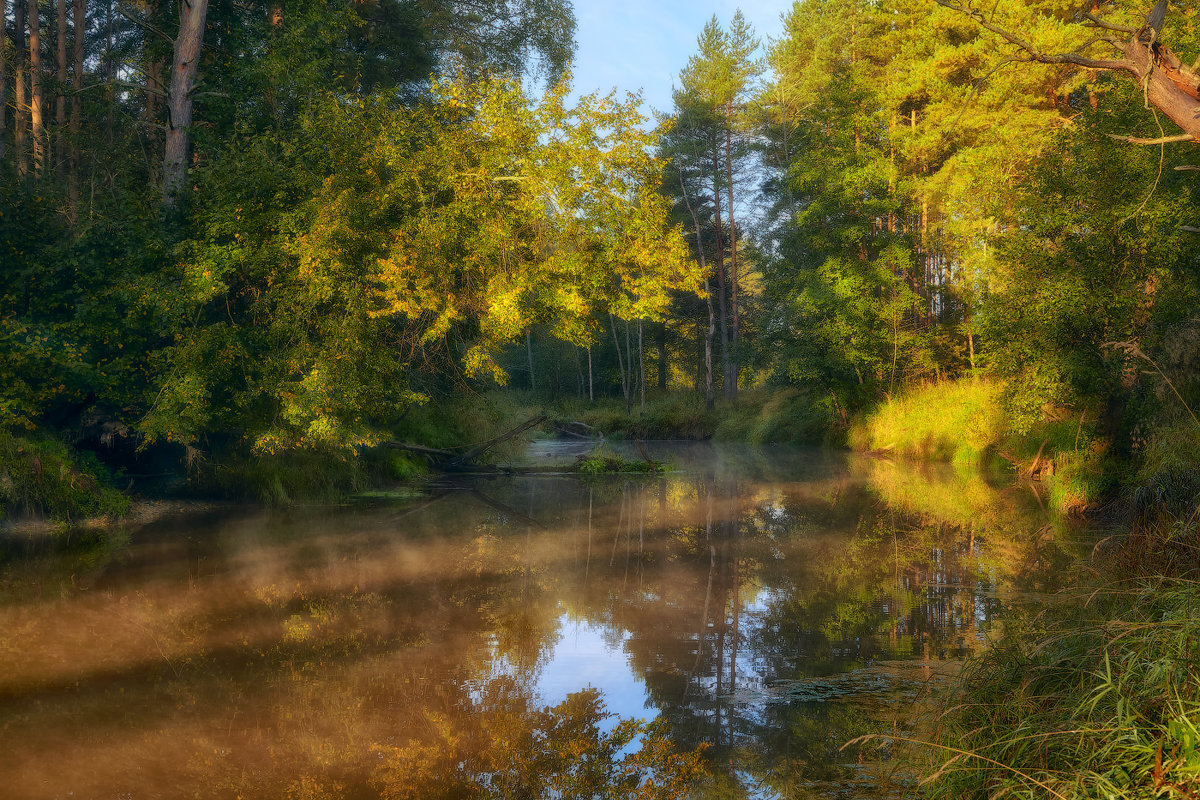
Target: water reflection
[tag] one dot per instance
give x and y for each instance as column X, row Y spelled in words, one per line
column 720, row 631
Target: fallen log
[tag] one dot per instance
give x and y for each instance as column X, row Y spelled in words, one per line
column 450, row 461
column 479, row 449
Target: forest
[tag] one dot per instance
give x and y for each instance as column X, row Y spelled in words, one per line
column 232, row 231
column 247, row 246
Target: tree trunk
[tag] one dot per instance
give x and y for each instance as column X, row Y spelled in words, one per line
column 153, row 67
column 37, row 121
column 709, row 397
column 60, row 102
column 629, row 364
column 80, row 34
column 641, row 366
column 721, row 303
column 708, row 374
column 620, row 364
column 20, row 102
column 731, row 390
column 661, row 342
column 3, row 73
column 529, row 357
column 185, row 63
column 591, row 385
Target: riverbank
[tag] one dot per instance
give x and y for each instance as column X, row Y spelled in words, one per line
column 1098, row 694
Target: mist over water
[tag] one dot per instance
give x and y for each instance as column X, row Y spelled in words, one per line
column 729, row 626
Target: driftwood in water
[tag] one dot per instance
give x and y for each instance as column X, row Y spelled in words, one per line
column 479, row 449
column 450, row 461
column 578, row 430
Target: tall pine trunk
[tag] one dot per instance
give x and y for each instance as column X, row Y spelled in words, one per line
column 60, row 102
column 37, row 121
column 709, row 401
column 3, row 74
column 80, row 33
column 721, row 282
column 731, row 390
column 21, row 104
column 184, row 65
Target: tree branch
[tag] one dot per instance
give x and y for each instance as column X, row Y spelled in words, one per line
column 1182, row 137
column 1036, row 54
column 1096, row 22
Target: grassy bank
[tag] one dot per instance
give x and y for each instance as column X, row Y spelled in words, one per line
column 1097, row 697
column 41, row 477
column 964, row 422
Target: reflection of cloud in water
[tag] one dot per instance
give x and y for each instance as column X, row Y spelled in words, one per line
column 585, row 656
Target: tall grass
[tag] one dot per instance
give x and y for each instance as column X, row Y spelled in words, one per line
column 781, row 416
column 1097, row 698
column 960, row 421
column 42, row 477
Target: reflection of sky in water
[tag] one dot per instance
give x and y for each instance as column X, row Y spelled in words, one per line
column 586, row 656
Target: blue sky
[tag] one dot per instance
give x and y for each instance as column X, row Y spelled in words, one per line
column 643, row 44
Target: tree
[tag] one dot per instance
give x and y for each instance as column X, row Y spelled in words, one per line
column 715, row 86
column 1167, row 83
column 184, row 66
column 334, row 269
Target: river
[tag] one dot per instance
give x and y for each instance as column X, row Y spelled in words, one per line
column 722, row 630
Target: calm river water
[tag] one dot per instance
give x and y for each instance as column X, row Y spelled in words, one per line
column 720, row 631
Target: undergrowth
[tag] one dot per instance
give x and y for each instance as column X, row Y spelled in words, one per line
column 42, row 477
column 781, row 416
column 1097, row 698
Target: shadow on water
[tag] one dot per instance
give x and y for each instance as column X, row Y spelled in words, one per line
column 718, row 631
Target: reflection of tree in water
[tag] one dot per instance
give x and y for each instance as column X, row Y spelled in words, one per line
column 506, row 747
column 762, row 591
column 360, row 647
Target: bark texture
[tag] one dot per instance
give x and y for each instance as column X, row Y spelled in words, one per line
column 184, row 66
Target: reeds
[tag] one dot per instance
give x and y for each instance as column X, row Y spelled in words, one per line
column 1099, row 695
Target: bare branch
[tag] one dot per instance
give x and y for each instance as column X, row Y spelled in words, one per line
column 1182, row 137
column 1096, row 22
column 1036, row 54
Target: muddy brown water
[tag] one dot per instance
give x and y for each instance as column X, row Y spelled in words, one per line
column 718, row 631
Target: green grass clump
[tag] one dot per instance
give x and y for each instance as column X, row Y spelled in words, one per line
column 42, row 477
column 1097, row 698
column 959, row 421
column 612, row 465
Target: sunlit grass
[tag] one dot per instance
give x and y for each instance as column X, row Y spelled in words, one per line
column 959, row 421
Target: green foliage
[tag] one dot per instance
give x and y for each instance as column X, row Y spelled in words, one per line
column 42, row 477
column 382, row 241
column 1099, row 258
column 609, row 464
column 782, row 416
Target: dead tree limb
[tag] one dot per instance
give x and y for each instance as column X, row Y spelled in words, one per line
column 432, row 452
column 480, row 449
